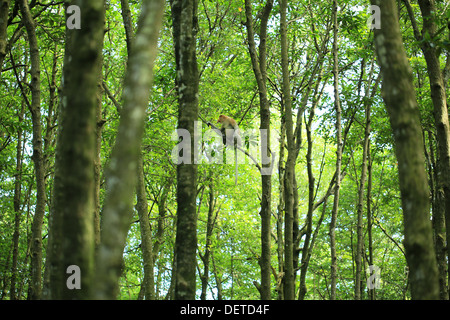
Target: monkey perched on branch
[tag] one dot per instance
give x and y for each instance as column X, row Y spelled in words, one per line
column 231, row 137
column 237, row 145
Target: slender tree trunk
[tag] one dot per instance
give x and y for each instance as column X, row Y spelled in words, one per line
column 146, row 233
column 159, row 237
column 306, row 251
column 98, row 148
column 400, row 99
column 184, row 17
column 438, row 214
column 359, row 225
column 209, row 233
column 118, row 204
column 260, row 71
column 49, row 143
column 127, row 23
column 218, row 280
column 337, row 106
column 148, row 283
column 372, row 295
column 35, row 110
column 280, row 210
column 16, row 204
column 289, row 284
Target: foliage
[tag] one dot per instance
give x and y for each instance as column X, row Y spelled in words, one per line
column 227, row 86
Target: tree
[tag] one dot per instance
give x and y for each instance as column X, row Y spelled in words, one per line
column 400, row 99
column 125, row 156
column 146, row 233
column 359, row 226
column 289, row 284
column 184, row 18
column 71, row 231
column 35, row 110
column 337, row 106
column 17, row 209
column 4, row 6
column 439, row 98
column 259, row 65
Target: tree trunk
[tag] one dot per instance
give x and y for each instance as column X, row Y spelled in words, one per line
column 71, row 238
column 4, row 11
column 184, row 17
column 98, row 148
column 337, row 106
column 289, row 284
column 125, row 156
column 49, row 143
column 260, row 71
column 372, row 295
column 280, row 209
column 127, row 23
column 35, row 110
column 359, row 225
column 439, row 98
column 399, row 95
column 306, row 250
column 148, row 283
column 209, row 233
column 438, row 214
column 16, row 204
column 218, row 280
column 146, row 233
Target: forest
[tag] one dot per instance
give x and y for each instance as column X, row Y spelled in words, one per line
column 118, row 179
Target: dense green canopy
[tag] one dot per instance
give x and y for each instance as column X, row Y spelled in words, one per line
column 83, row 130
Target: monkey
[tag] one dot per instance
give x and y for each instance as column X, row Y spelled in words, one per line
column 231, row 137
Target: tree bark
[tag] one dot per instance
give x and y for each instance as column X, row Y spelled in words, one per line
column 372, row 292
column 280, row 210
column 16, row 204
column 439, row 98
column 148, row 283
column 146, row 232
column 399, row 95
column 209, row 233
column 71, row 238
column 39, row 168
column 438, row 214
column 359, row 224
column 337, row 106
column 308, row 223
column 4, row 11
column 289, row 284
column 184, row 17
column 260, row 71
column 98, row 150
column 121, row 175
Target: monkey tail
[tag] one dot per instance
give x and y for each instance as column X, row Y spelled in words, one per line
column 235, row 166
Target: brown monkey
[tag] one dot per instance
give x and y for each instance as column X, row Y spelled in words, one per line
column 231, row 137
